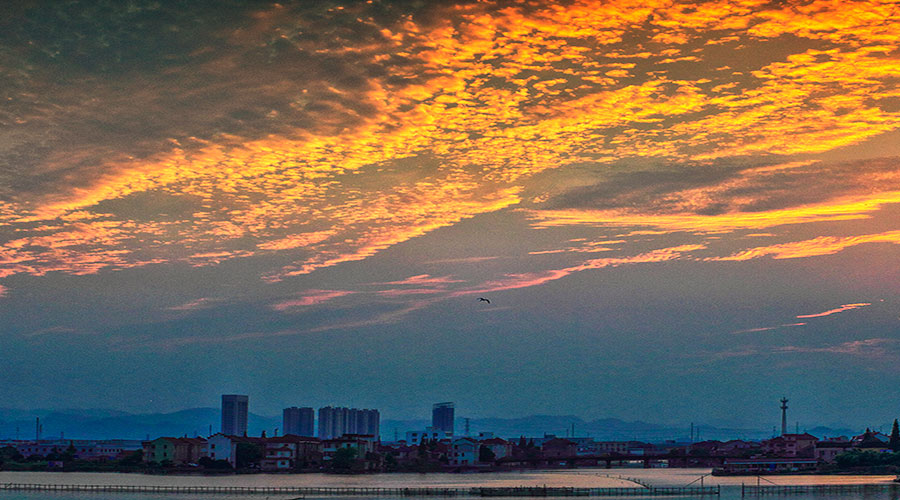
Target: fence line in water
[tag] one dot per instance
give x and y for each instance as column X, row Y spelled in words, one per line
column 478, row 491
column 802, row 489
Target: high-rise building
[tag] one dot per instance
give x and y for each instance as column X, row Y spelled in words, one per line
column 299, row 421
column 335, row 422
column 442, row 417
column 234, row 414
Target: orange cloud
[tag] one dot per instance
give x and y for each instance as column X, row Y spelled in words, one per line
column 828, row 211
column 296, row 241
column 823, row 245
column 430, row 120
column 845, row 307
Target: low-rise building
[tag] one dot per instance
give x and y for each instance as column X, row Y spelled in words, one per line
column 748, row 466
column 221, row 447
column 178, row 451
column 559, row 448
column 827, row 451
column 79, row 449
column 291, row 452
column 872, row 441
column 364, row 443
column 463, row 451
column 791, row 445
column 607, row 447
column 414, row 438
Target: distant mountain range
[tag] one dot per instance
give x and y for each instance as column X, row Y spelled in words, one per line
column 105, row 424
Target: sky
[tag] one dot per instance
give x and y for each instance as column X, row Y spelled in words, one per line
column 679, row 211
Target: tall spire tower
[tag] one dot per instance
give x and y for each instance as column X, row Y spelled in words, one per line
column 784, row 407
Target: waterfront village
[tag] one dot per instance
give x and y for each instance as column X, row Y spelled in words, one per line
column 347, row 440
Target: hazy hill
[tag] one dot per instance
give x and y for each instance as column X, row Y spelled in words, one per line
column 102, row 424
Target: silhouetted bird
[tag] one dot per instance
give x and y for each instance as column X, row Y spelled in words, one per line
column 482, row 299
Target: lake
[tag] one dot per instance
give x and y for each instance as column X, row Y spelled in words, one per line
column 581, row 478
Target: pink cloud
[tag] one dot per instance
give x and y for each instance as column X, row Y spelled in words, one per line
column 397, row 292
column 845, row 307
column 313, row 297
column 423, row 279
column 201, row 303
column 768, row 328
column 524, row 280
column 462, row 260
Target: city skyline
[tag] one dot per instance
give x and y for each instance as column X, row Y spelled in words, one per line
column 675, row 210
column 334, row 421
column 70, row 424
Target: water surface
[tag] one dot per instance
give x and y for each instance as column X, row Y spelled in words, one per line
column 581, row 478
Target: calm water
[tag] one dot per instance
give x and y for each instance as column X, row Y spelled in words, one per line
column 577, row 478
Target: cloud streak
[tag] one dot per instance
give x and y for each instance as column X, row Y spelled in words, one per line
column 876, row 349
column 770, row 328
column 843, row 308
column 311, row 298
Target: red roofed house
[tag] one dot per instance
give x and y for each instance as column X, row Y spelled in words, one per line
column 291, row 452
column 559, row 448
column 791, row 445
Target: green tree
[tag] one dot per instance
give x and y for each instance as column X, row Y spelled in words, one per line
column 134, row 458
column 247, row 455
column 10, row 454
column 69, row 454
column 895, row 437
column 857, row 458
column 344, row 459
column 390, row 462
column 486, row 454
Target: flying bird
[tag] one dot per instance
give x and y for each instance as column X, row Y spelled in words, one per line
column 482, row 299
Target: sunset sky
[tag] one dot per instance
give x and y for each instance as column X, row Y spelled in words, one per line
column 679, row 211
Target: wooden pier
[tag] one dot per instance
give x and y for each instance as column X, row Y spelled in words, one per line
column 817, row 489
column 292, row 491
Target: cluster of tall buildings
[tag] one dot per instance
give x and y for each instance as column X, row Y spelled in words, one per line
column 299, row 421
column 336, row 422
column 333, row 422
